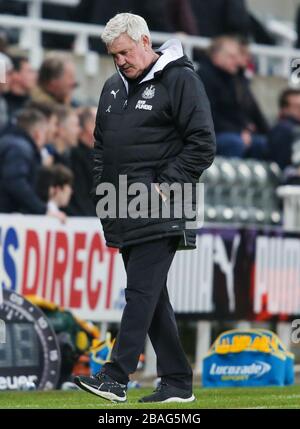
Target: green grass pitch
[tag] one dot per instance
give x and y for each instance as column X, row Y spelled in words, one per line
column 272, row 397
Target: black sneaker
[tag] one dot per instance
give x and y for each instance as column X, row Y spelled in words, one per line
column 104, row 386
column 166, row 393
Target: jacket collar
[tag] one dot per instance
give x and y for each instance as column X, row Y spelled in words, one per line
column 171, row 51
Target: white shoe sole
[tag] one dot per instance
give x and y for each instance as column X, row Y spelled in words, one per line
column 105, row 395
column 175, row 399
column 172, row 399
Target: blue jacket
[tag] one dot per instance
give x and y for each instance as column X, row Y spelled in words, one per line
column 19, row 164
column 281, row 139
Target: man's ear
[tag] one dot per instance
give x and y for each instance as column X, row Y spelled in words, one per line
column 146, row 42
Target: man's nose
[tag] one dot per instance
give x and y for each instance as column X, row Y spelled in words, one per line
column 120, row 61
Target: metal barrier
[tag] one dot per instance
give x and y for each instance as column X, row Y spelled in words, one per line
column 291, row 207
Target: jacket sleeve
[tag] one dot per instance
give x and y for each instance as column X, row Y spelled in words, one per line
column 192, row 119
column 15, row 174
column 97, row 155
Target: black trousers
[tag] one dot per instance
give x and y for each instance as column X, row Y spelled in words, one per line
column 148, row 310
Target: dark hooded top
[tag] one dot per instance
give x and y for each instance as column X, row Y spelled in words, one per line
column 159, row 132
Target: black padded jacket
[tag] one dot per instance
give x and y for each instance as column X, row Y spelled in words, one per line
column 161, row 133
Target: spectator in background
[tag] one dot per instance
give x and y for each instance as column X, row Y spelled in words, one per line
column 50, row 111
column 19, row 163
column 235, row 136
column 67, row 134
column 4, row 85
column 22, row 81
column 287, row 130
column 54, row 187
column 257, row 123
column 56, row 81
column 82, row 165
column 8, row 68
column 3, row 113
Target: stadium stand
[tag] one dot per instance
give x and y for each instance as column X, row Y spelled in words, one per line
column 242, row 192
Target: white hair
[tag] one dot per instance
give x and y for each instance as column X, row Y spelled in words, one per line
column 133, row 25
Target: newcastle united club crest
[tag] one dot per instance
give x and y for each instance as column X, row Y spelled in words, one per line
column 149, row 92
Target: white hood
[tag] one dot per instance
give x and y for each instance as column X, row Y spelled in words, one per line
column 171, row 51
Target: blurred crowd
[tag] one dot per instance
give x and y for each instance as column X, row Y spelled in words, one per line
column 46, row 137
column 46, row 140
column 242, row 130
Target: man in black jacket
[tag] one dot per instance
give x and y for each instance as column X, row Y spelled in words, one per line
column 153, row 127
column 20, row 161
column 22, row 81
column 81, row 164
column 284, row 136
column 234, row 129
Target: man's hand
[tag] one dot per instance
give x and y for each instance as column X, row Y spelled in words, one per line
column 61, row 216
column 164, row 198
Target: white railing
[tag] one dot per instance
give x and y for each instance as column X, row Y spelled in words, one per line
column 270, row 59
column 291, row 207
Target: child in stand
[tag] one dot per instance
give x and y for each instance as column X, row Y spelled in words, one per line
column 54, row 186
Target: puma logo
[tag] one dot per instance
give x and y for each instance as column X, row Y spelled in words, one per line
column 114, row 93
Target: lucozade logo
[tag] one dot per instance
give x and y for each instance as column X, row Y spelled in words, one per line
column 256, row 369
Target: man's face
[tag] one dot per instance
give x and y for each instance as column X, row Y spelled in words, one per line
column 69, row 78
column 244, row 57
column 26, row 77
column 4, row 87
column 63, row 195
column 69, row 130
column 87, row 132
column 52, row 128
column 228, row 58
column 293, row 108
column 39, row 134
column 63, row 87
column 129, row 56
